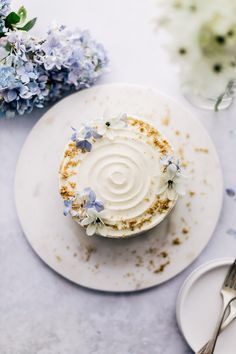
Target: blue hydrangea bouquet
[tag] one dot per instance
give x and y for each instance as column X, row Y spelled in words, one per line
column 35, row 71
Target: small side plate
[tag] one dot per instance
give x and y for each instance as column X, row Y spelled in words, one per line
column 199, row 304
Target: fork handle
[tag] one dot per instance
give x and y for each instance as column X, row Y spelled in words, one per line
column 210, row 346
column 224, row 325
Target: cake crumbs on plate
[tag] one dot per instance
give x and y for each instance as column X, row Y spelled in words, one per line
column 203, row 150
column 176, row 241
column 165, row 121
column 161, row 268
column 185, row 230
column 89, row 250
column 164, row 254
column 139, row 261
column 151, row 250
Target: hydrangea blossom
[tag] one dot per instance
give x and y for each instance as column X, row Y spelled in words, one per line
column 4, row 7
column 36, row 71
column 7, row 77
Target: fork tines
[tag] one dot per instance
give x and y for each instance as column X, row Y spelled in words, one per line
column 230, row 280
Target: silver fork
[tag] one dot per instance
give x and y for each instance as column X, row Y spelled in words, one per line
column 231, row 316
column 228, row 293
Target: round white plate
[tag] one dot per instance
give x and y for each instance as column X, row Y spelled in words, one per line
column 199, row 306
column 117, row 265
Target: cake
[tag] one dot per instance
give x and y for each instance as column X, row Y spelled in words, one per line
column 119, row 177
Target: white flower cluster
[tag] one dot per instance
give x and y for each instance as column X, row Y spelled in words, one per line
column 172, row 181
column 202, row 41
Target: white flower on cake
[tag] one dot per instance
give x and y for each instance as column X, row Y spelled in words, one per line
column 94, row 223
column 106, row 126
column 172, row 182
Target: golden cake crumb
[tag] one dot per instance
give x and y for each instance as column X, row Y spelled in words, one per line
column 176, row 241
column 165, row 121
column 161, row 268
column 204, row 150
column 185, row 230
column 66, row 193
column 89, row 250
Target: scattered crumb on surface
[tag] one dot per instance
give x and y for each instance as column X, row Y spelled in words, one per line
column 161, row 268
column 200, row 149
column 185, row 230
column 89, row 250
column 151, row 250
column 164, row 254
column 165, row 121
column 191, row 193
column 176, row 241
column 58, row 258
column 139, row 261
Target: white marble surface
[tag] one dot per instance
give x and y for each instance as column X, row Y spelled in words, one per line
column 41, row 313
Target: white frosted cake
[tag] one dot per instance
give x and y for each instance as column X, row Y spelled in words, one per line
column 118, row 177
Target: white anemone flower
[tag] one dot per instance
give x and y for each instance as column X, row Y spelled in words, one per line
column 172, row 183
column 94, row 222
column 209, row 44
column 106, row 126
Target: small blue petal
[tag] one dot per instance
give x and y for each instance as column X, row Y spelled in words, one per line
column 88, row 205
column 68, row 202
column 96, row 135
column 84, row 145
column 98, row 205
column 87, row 135
column 231, row 232
column 92, row 196
column 66, row 211
column 68, row 205
column 73, row 136
column 230, row 192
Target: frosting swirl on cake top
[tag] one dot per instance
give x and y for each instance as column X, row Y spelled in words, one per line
column 117, row 163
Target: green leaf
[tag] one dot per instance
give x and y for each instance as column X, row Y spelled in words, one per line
column 28, row 25
column 12, row 19
column 22, row 13
column 8, row 47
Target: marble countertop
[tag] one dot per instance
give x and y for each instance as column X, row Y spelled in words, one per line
column 42, row 313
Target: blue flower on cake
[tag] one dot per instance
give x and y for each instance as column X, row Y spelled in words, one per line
column 81, row 137
column 92, row 201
